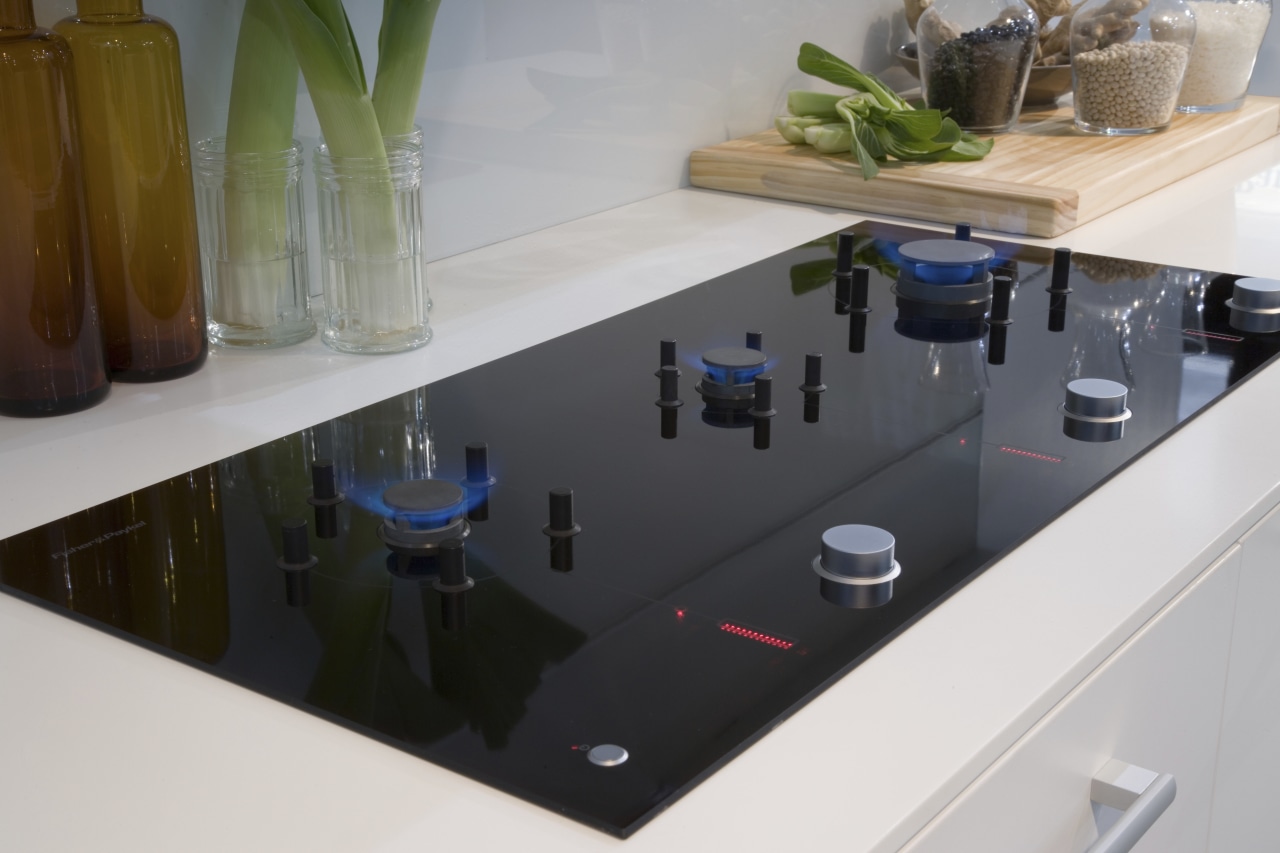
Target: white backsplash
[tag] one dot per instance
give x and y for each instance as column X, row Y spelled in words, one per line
column 537, row 112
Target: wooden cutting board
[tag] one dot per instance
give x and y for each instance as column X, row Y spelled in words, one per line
column 1043, row 178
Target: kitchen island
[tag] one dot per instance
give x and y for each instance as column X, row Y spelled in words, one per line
column 110, row 747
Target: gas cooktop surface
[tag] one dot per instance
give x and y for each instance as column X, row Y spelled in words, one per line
column 592, row 572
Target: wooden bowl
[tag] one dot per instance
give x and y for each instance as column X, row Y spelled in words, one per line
column 1045, row 85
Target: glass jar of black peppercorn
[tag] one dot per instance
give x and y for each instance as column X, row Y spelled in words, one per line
column 975, row 56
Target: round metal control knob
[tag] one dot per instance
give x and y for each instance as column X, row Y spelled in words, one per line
column 856, row 566
column 1096, row 398
column 1255, row 305
column 857, row 551
column 1095, row 410
column 607, row 755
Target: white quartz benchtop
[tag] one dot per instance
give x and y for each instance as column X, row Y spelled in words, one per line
column 108, row 747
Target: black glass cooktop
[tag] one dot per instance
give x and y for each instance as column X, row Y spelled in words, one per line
column 601, row 651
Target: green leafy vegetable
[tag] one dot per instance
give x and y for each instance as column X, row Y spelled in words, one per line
column 802, row 103
column 825, row 66
column 402, row 59
column 792, row 128
column 829, row 138
column 875, row 123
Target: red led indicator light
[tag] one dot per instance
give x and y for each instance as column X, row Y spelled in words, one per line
column 1195, row 333
column 1029, row 454
column 758, row 636
column 963, row 442
column 680, row 613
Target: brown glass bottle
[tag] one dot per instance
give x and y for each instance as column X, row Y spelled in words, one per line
column 137, row 174
column 51, row 359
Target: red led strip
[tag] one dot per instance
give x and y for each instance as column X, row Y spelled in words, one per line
column 759, row 637
column 1197, row 334
column 1030, row 454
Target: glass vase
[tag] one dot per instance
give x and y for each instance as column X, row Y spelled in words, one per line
column 138, row 191
column 373, row 270
column 253, row 246
column 51, row 359
column 975, row 58
column 1228, row 36
column 1128, row 58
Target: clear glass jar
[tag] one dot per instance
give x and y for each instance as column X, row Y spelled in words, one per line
column 373, row 269
column 1228, row 35
column 1127, row 62
column 253, row 246
column 975, row 56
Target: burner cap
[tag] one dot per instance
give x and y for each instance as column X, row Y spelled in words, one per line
column 424, row 514
column 731, row 375
column 431, row 499
column 944, row 262
column 734, row 362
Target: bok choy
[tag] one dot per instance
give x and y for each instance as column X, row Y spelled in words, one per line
column 874, row 123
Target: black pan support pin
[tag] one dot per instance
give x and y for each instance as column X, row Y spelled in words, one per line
column 297, row 562
column 562, row 528
column 812, row 387
column 452, row 584
column 325, row 497
column 478, row 482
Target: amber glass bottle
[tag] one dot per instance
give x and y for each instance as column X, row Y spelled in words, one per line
column 50, row 341
column 138, row 189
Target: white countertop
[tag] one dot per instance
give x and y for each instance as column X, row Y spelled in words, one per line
column 106, row 746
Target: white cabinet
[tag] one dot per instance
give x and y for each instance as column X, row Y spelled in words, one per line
column 1246, row 794
column 1156, row 702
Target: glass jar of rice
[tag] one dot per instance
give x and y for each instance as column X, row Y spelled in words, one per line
column 1128, row 58
column 1228, row 35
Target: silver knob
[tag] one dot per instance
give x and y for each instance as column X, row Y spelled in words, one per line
column 856, row 566
column 1095, row 410
column 857, row 551
column 1255, row 305
column 1096, row 398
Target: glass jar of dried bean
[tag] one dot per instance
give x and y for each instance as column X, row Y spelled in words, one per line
column 1128, row 58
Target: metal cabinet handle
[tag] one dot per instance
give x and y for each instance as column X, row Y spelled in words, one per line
column 1142, row 795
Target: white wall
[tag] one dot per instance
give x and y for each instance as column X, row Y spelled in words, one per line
column 537, row 112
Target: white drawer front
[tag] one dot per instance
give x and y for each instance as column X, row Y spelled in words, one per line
column 1156, row 703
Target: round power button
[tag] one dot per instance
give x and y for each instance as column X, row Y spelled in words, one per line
column 607, row 755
